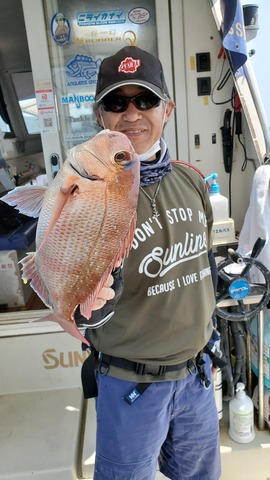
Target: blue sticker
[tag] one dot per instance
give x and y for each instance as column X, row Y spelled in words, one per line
column 239, row 289
column 82, row 70
column 76, row 99
column 101, row 17
column 60, row 29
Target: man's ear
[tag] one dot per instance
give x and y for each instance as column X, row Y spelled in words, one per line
column 99, row 119
column 169, row 108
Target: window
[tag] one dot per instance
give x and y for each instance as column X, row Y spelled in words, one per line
column 24, row 87
column 4, row 127
column 5, row 124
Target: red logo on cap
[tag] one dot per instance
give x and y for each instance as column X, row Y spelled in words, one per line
column 129, row 65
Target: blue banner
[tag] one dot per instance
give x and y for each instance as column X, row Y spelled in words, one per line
column 234, row 40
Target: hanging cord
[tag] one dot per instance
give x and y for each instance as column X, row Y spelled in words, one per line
column 222, row 79
column 239, row 373
column 236, row 105
column 227, row 374
column 230, row 174
column 244, row 164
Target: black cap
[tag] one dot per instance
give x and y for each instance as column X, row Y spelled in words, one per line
column 131, row 66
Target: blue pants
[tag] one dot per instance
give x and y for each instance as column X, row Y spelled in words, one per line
column 173, row 423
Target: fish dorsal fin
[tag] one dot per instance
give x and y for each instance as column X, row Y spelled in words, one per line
column 28, row 200
column 29, row 272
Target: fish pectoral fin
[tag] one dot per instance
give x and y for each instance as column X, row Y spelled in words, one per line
column 29, row 271
column 87, row 306
column 28, row 200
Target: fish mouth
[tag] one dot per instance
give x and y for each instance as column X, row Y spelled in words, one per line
column 85, row 174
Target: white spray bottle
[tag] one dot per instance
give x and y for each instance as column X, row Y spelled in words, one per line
column 220, row 204
column 223, row 226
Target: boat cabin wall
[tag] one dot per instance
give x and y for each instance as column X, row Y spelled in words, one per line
column 199, row 115
column 207, row 70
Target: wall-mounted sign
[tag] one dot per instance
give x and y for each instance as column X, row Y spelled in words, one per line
column 45, row 106
column 76, row 99
column 101, row 17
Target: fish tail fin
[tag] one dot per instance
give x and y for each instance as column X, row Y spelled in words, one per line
column 68, row 325
column 29, row 271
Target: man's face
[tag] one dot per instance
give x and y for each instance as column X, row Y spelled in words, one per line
column 143, row 128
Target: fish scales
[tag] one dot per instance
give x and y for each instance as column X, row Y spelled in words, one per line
column 86, row 225
column 70, row 232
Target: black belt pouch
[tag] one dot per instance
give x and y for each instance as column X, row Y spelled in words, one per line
column 88, row 376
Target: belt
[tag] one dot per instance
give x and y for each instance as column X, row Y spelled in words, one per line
column 104, row 362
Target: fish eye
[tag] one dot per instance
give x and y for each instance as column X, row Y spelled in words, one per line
column 122, row 158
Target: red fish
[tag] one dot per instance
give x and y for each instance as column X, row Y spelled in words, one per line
column 87, row 218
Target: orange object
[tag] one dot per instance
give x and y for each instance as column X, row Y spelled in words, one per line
column 221, row 52
column 85, row 226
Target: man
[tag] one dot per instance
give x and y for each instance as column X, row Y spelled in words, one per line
column 155, row 402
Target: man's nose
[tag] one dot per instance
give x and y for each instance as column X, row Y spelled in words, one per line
column 132, row 113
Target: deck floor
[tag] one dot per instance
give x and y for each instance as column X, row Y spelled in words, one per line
column 239, row 461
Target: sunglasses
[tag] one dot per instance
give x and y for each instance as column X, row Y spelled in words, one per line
column 118, row 104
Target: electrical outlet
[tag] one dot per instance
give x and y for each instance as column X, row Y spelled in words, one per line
column 204, row 85
column 197, row 140
column 203, row 62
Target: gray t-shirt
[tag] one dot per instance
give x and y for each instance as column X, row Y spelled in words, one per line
column 164, row 314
